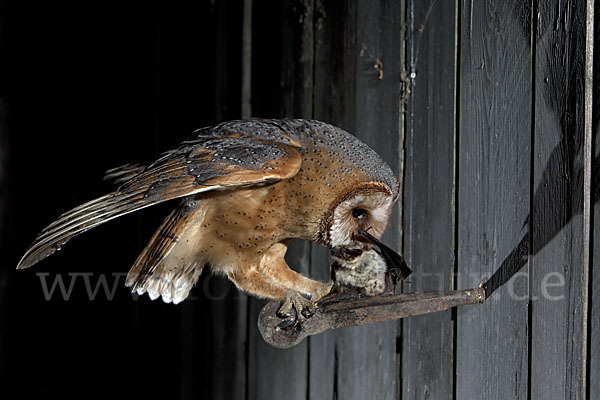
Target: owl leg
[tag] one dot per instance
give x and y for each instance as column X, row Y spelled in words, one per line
column 273, row 265
column 258, row 284
column 303, row 293
column 272, row 278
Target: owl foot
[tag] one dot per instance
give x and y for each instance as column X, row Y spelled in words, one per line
column 295, row 308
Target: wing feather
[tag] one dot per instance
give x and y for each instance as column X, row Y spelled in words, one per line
column 203, row 164
column 123, row 173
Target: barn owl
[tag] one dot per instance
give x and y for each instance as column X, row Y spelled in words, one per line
column 246, row 188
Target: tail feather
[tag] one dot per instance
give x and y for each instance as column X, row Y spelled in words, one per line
column 169, row 266
column 79, row 220
column 162, row 242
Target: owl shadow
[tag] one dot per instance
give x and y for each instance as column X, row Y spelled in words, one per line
column 556, row 201
column 559, row 195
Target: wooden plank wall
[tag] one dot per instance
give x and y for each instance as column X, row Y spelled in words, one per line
column 493, row 194
column 365, row 357
column 558, row 325
column 5, row 196
column 478, row 140
column 428, row 360
column 284, row 90
column 472, row 96
column 478, row 107
column 338, row 61
column 594, row 326
column 518, row 179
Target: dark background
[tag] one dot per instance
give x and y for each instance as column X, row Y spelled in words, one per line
column 87, row 86
column 480, row 108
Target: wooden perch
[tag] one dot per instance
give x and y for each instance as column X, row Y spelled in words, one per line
column 342, row 312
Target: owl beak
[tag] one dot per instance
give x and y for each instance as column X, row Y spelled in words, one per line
column 397, row 267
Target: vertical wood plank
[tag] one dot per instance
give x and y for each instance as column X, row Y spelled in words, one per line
column 335, row 43
column 228, row 335
column 200, row 348
column 4, row 203
column 322, row 355
column 493, row 195
column 277, row 373
column 559, row 303
column 427, row 362
column 213, row 326
column 594, row 326
column 357, row 86
column 296, row 69
column 246, row 105
column 222, row 345
column 588, row 193
column 329, row 97
column 283, row 90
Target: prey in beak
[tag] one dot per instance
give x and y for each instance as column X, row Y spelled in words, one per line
column 397, row 269
column 370, row 268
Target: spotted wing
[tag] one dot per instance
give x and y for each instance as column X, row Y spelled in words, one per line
column 205, row 163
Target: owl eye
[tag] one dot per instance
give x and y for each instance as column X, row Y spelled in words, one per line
column 359, row 213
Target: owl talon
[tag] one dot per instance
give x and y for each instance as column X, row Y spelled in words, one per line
column 286, row 323
column 283, row 314
column 306, row 313
column 295, row 303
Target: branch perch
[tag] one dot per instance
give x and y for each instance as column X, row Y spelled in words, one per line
column 343, row 312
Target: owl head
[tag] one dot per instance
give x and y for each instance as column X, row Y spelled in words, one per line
column 366, row 207
column 357, row 221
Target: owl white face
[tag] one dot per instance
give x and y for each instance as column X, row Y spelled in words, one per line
column 368, row 211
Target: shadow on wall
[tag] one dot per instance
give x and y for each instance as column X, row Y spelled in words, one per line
column 559, row 195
